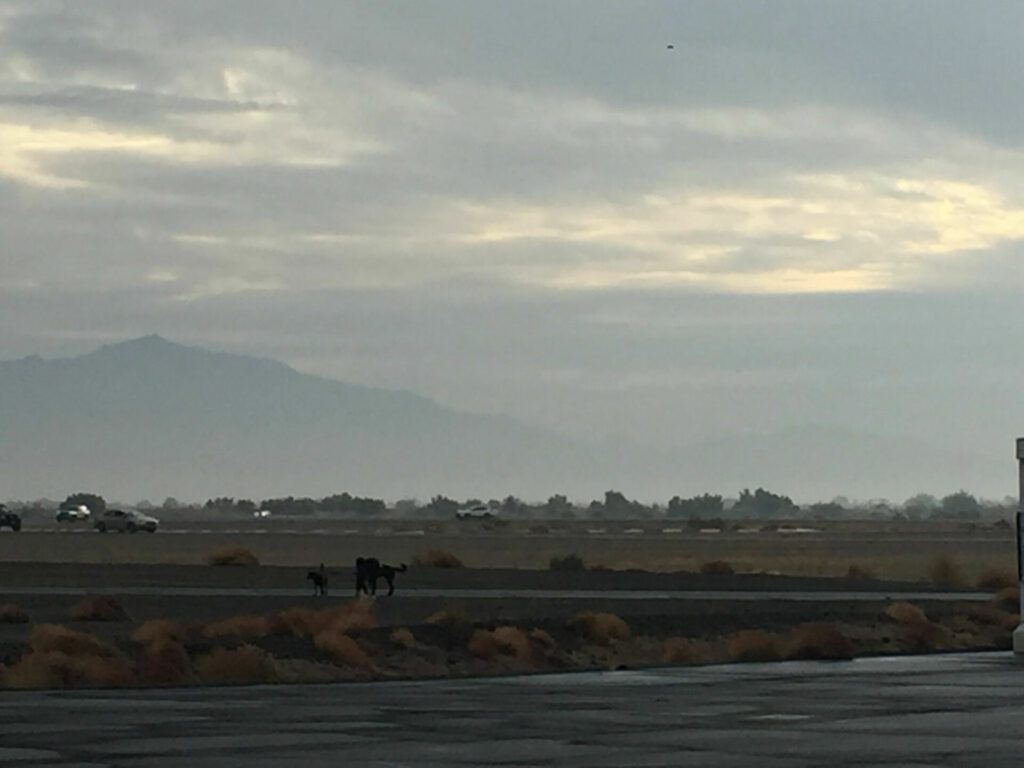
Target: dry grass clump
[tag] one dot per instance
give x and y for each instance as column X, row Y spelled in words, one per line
column 342, row 648
column 63, row 658
column 601, row 628
column 859, row 573
column 238, row 626
column 164, row 660
column 998, row 579
column 403, row 637
column 1007, row 598
column 482, row 644
column 944, row 570
column 817, row 640
column 685, row 650
column 166, row 664
column 98, row 609
column 505, row 640
column 927, row 637
column 157, row 631
column 754, row 645
column 235, row 666
column 919, row 633
column 992, row 616
column 232, row 554
column 353, row 617
column 542, row 638
column 512, row 641
column 12, row 614
column 450, row 615
column 436, row 558
column 572, row 562
column 344, row 619
column 56, row 637
column 37, row 670
column 299, row 621
column 717, row 568
column 903, row 612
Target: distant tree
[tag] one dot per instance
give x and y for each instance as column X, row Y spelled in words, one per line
column 512, row 507
column 96, row 504
column 406, row 507
column 339, row 503
column 245, row 506
column 557, row 506
column 827, row 510
column 960, row 506
column 221, row 505
column 762, row 503
column 706, row 505
column 441, row 506
column 171, row 503
column 617, row 505
column 290, row 506
column 366, row 507
column 880, row 509
column 920, row 506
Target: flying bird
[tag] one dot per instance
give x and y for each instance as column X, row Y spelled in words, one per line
column 670, row 47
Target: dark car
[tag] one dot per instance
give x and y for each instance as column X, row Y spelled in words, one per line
column 11, row 519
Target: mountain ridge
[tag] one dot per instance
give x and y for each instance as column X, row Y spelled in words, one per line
column 150, row 418
column 80, row 416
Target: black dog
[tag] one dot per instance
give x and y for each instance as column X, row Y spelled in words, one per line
column 369, row 569
column 319, row 579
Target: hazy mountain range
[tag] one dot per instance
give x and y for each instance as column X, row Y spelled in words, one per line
column 149, row 418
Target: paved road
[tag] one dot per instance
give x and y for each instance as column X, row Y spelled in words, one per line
column 954, row 710
column 683, row 534
column 524, row 594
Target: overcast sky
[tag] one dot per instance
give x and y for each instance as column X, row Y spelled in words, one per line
column 800, row 213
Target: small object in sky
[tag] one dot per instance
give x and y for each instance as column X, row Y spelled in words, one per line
column 670, row 47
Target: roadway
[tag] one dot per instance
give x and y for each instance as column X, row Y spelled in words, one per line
column 951, row 710
column 716, row 595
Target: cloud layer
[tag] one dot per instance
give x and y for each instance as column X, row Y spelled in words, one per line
column 413, row 195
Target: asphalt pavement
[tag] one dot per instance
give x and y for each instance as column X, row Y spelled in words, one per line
column 942, row 710
column 523, row 594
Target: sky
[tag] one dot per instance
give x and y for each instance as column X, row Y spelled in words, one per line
column 649, row 222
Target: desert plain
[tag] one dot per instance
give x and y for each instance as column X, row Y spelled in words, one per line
column 483, row 597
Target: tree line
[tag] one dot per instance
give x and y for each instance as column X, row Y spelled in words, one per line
column 759, row 503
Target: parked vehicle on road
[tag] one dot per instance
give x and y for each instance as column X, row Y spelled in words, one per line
column 10, row 519
column 73, row 514
column 128, row 521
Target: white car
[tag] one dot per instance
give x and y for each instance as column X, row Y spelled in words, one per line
column 126, row 520
column 74, row 514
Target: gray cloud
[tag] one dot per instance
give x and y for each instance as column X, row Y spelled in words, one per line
column 806, row 212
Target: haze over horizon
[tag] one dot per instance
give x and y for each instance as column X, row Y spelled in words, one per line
column 804, row 218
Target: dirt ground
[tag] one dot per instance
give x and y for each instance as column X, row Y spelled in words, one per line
column 511, row 632
column 262, row 624
column 903, row 550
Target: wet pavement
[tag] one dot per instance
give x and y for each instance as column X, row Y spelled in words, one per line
column 944, row 710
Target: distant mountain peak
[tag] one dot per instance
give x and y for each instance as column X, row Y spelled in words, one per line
column 152, row 340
